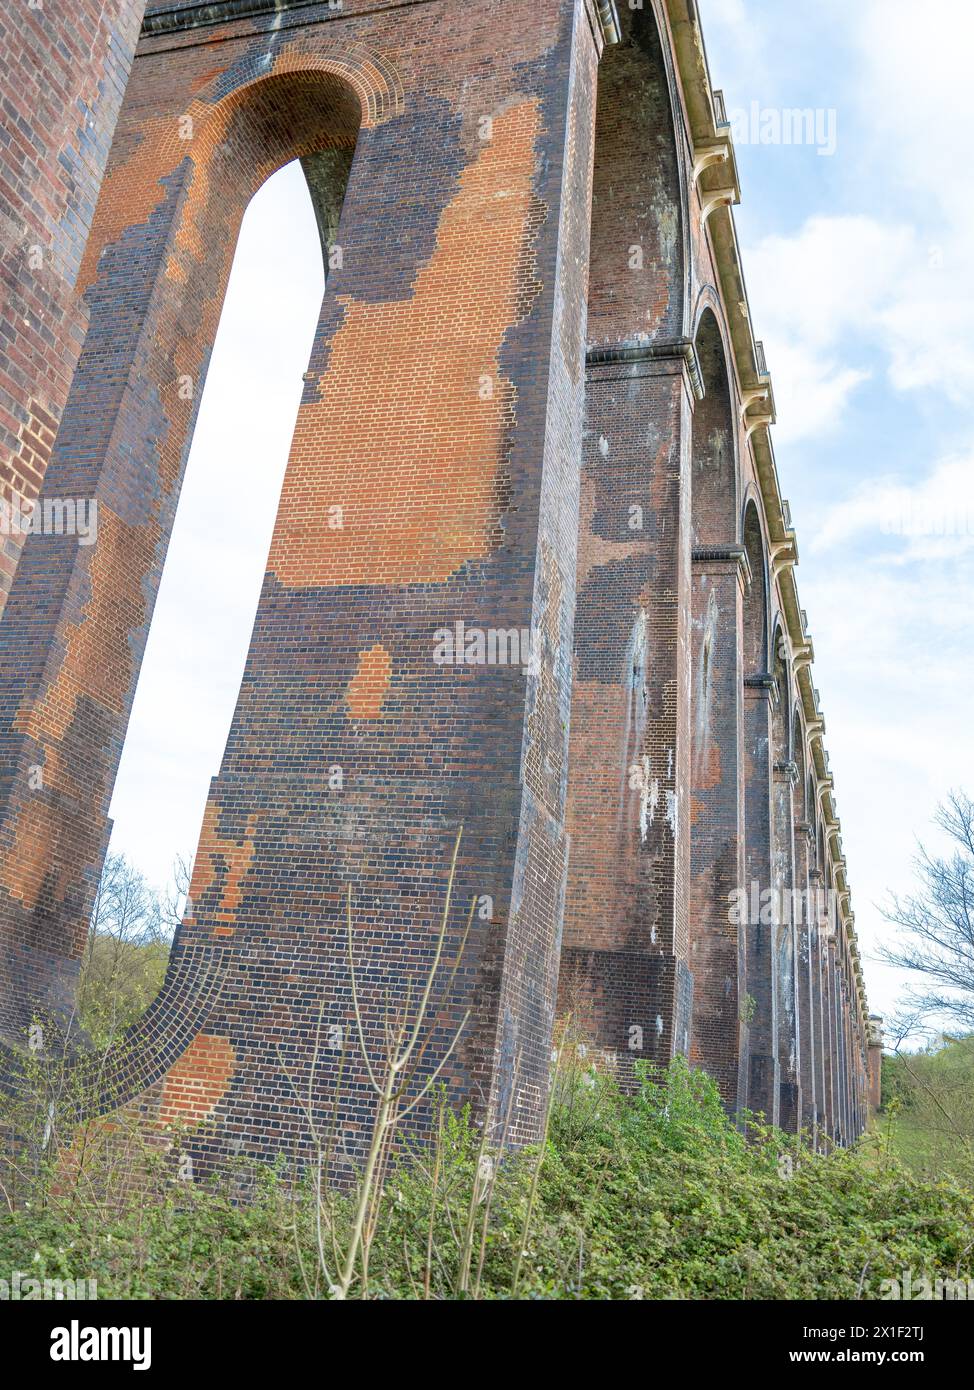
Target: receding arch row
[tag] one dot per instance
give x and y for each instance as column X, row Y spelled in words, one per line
column 780, row 974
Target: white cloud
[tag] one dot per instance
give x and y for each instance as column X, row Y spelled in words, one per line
column 932, row 518
column 732, row 24
column 811, row 391
column 913, row 82
column 845, row 288
column 831, row 279
column 819, row 298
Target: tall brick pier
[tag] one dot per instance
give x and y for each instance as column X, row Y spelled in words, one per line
column 534, row 405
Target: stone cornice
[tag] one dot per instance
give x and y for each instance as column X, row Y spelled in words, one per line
column 657, row 350
column 802, row 656
column 783, row 555
column 706, row 555
column 174, row 19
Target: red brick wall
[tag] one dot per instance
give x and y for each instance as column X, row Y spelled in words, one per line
column 63, row 69
column 717, row 934
column 464, row 234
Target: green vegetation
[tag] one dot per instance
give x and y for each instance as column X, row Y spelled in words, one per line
column 655, row 1195
column 120, row 980
column 125, row 960
column 928, row 1108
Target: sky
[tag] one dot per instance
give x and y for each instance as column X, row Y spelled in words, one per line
column 861, row 284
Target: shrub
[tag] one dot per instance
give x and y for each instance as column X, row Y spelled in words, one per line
column 652, row 1195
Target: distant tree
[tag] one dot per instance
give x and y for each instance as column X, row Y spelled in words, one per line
column 126, row 953
column 936, row 945
column 174, row 902
column 930, row 1096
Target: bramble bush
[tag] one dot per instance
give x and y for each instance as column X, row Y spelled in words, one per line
column 653, row 1195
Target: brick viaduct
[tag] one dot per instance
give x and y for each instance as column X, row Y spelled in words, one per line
column 536, row 402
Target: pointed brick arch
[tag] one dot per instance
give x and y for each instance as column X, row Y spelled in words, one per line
column 760, row 695
column 624, row 974
column 806, row 930
column 719, row 584
column 785, row 982
column 158, row 262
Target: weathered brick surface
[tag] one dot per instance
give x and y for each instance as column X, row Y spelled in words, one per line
column 718, row 956
column 63, row 70
column 464, row 250
column 523, row 356
column 624, row 958
column 783, row 881
column 805, row 945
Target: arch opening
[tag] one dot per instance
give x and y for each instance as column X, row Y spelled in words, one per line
column 760, row 691
column 155, row 274
column 717, row 954
column 628, row 760
column 210, row 586
column 714, row 497
column 784, row 883
column 756, row 598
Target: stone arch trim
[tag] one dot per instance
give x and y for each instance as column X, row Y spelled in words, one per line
column 717, row 408
column 374, row 77
column 763, row 579
column 709, row 298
